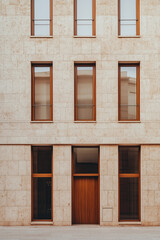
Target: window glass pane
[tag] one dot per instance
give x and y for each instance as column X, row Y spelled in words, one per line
column 85, row 159
column 42, row 17
column 128, row 17
column 42, row 159
column 42, row 190
column 129, row 199
column 85, row 93
column 128, row 105
column 129, row 159
column 84, row 17
column 42, row 93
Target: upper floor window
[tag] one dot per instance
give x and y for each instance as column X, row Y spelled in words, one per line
column 128, row 20
column 42, row 109
column 41, row 18
column 84, row 17
column 129, row 91
column 85, row 92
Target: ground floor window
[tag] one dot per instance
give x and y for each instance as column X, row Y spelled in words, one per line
column 42, row 183
column 129, row 183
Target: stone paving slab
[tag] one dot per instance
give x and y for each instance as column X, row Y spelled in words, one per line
column 79, row 232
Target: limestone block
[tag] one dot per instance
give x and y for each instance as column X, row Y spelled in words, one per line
column 65, row 198
column 13, row 183
column 11, row 214
column 107, row 215
column 2, row 183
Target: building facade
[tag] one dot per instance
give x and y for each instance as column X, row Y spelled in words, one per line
column 79, row 113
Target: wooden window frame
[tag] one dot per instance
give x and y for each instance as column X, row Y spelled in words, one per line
column 32, row 19
column 93, row 19
column 137, row 18
column 129, row 64
column 41, row 64
column 41, row 175
column 74, row 175
column 129, row 175
column 85, row 64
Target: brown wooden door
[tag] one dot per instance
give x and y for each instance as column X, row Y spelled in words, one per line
column 85, row 200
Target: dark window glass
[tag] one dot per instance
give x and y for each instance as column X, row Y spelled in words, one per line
column 129, row 198
column 42, row 159
column 129, row 159
column 85, row 159
column 42, row 198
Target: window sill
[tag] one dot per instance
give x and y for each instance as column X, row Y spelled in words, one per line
column 138, row 36
column 41, row 36
column 84, row 36
column 84, row 121
column 129, row 121
column 41, row 121
column 42, row 223
column 130, row 223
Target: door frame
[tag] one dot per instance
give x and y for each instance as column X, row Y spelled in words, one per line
column 84, row 174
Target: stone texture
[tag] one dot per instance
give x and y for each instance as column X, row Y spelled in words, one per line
column 18, row 133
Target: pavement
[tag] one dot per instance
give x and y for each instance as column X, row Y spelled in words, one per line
column 78, row 232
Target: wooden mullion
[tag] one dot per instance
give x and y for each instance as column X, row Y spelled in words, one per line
column 32, row 17
column 119, row 92
column 51, row 93
column 137, row 17
column 75, row 17
column 94, row 17
column 75, row 92
column 129, row 175
column 33, row 92
column 85, row 174
column 138, row 92
column 51, row 17
column 42, row 175
column 94, row 93
column 119, row 17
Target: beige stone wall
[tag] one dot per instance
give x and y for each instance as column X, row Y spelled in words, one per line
column 150, row 185
column 62, row 185
column 108, row 185
column 15, row 185
column 18, row 49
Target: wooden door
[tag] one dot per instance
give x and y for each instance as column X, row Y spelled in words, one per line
column 85, row 200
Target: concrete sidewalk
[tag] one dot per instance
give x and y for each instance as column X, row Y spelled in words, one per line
column 78, row 232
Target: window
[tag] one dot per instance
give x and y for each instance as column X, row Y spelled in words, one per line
column 84, row 17
column 41, row 18
column 42, row 183
column 129, row 183
column 85, row 160
column 42, row 92
column 129, row 91
column 128, row 22
column 85, row 92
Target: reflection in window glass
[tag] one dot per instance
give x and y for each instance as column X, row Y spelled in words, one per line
column 85, row 159
column 128, row 100
column 42, row 93
column 128, row 17
column 41, row 17
column 84, row 17
column 85, row 93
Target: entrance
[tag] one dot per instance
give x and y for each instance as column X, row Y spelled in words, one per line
column 85, row 185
